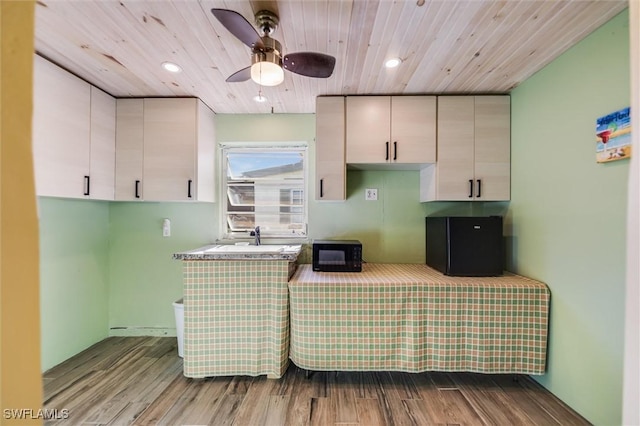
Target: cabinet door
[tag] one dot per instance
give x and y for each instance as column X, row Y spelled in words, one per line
column 61, row 131
column 169, row 149
column 330, row 150
column 129, row 149
column 454, row 171
column 103, row 145
column 413, row 129
column 368, row 129
column 205, row 188
column 493, row 148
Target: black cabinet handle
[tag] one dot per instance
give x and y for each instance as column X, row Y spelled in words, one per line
column 321, row 189
column 189, row 188
column 479, row 188
column 137, row 189
column 387, row 157
column 395, row 150
column 87, row 185
column 470, row 188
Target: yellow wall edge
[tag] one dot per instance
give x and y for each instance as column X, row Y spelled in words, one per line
column 21, row 382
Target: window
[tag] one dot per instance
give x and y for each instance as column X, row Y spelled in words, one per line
column 265, row 187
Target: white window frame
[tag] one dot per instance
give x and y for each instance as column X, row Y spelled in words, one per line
column 301, row 147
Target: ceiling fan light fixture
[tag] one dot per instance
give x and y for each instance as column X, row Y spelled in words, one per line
column 266, row 63
column 267, row 73
column 266, row 67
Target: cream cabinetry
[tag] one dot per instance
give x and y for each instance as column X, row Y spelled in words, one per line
column 165, row 150
column 330, row 149
column 102, row 156
column 390, row 130
column 73, row 135
column 474, row 151
column 492, row 150
column 129, row 149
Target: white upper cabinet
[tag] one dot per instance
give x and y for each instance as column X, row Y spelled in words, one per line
column 413, row 129
column 205, row 184
column 474, row 151
column 102, row 156
column 455, row 166
column 170, row 127
column 368, row 129
column 492, row 151
column 129, row 149
column 391, row 130
column 330, row 150
column 165, row 150
column 73, row 135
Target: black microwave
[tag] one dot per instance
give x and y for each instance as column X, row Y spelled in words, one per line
column 337, row 256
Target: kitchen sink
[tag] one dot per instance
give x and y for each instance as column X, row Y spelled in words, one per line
column 265, row 248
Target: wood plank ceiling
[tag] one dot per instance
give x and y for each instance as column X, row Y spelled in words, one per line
column 447, row 46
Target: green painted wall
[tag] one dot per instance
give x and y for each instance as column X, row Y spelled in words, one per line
column 265, row 127
column 567, row 216
column 74, row 276
column 391, row 229
column 144, row 279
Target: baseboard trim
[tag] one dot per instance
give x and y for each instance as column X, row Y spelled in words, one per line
column 142, row 331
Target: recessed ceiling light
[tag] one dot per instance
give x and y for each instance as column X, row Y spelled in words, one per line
column 259, row 98
column 171, row 67
column 392, row 63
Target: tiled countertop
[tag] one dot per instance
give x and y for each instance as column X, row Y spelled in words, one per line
column 241, row 252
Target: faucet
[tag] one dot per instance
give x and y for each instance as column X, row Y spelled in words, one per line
column 256, row 233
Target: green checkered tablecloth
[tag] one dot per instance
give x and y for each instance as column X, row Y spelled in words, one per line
column 236, row 318
column 412, row 318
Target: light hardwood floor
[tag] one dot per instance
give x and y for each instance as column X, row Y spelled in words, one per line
column 139, row 381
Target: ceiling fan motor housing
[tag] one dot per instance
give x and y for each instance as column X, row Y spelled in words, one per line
column 271, row 51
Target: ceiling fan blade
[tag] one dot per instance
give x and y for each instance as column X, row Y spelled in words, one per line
column 242, row 75
column 238, row 26
column 310, row 64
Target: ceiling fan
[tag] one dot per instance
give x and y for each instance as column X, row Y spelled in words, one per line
column 267, row 61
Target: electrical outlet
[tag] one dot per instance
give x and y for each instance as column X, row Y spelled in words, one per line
column 166, row 228
column 371, row 194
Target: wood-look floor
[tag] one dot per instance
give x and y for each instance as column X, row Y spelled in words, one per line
column 139, row 381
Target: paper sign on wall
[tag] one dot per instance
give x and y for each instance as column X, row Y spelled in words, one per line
column 613, row 136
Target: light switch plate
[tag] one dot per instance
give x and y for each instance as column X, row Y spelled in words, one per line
column 371, row 194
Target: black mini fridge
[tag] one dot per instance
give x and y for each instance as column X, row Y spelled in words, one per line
column 465, row 246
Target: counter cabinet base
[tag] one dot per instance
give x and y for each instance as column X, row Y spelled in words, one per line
column 412, row 318
column 236, row 318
